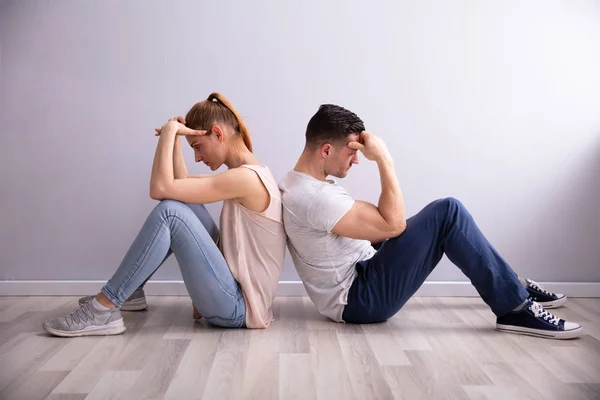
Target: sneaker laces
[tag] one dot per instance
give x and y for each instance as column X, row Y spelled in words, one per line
column 539, row 312
column 537, row 286
column 83, row 313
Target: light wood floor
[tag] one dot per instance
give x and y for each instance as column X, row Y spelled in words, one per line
column 441, row 348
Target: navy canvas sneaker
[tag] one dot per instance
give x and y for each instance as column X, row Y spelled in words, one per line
column 540, row 295
column 535, row 321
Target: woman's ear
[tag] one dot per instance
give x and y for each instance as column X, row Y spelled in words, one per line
column 218, row 132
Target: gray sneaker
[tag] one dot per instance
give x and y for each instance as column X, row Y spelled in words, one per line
column 135, row 302
column 87, row 321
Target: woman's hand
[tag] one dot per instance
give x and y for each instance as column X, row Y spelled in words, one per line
column 177, row 125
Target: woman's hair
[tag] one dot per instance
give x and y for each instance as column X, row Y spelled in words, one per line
column 214, row 110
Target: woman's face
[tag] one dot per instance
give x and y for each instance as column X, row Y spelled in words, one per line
column 210, row 148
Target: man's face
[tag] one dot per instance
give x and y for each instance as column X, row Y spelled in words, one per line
column 342, row 157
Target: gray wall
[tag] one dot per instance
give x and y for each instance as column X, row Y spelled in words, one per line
column 496, row 103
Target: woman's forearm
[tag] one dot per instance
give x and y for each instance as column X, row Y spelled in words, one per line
column 162, row 169
column 179, row 167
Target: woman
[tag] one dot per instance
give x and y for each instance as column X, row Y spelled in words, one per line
column 232, row 285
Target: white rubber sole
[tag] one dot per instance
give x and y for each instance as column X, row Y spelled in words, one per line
column 139, row 304
column 554, row 304
column 112, row 328
column 571, row 334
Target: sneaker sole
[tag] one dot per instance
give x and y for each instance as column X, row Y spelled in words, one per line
column 112, row 328
column 555, row 303
column 572, row 334
column 139, row 304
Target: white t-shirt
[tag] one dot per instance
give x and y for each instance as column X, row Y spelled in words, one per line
column 324, row 260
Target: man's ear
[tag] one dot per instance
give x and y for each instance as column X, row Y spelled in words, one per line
column 326, row 150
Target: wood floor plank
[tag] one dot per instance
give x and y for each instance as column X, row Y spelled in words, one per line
column 292, row 324
column 495, row 393
column 404, row 383
column 433, row 378
column 504, row 375
column 23, row 357
column 33, row 319
column 329, row 366
column 261, row 376
column 438, row 311
column 314, row 320
column 364, row 369
column 19, row 307
column 592, row 329
column 434, row 348
column 386, row 349
column 449, row 352
column 543, row 381
column 226, row 377
column 296, row 377
column 154, row 379
column 37, row 385
column 590, row 308
column 587, row 390
column 407, row 335
column 136, row 355
column 544, row 352
column 183, row 324
column 67, row 396
column 190, row 378
column 90, row 369
column 477, row 333
column 71, row 354
column 113, row 385
column 8, row 301
column 38, row 304
column 586, row 360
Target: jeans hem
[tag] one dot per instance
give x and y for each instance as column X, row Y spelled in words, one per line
column 111, row 297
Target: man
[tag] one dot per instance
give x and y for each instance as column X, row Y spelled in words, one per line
column 333, row 239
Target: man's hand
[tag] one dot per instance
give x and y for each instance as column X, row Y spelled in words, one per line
column 387, row 219
column 373, row 147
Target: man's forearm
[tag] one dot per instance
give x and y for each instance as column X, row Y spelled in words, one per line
column 391, row 202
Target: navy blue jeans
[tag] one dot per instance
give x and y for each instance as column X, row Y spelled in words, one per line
column 386, row 281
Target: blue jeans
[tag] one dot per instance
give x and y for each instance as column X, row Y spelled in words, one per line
column 188, row 231
column 386, row 281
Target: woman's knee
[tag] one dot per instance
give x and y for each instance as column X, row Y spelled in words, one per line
column 166, row 205
column 171, row 210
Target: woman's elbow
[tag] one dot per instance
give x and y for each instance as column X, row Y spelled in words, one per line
column 157, row 192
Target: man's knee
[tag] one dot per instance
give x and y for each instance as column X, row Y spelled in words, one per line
column 448, row 203
column 452, row 202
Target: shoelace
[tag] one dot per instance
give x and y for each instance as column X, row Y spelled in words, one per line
column 539, row 312
column 82, row 313
column 537, row 286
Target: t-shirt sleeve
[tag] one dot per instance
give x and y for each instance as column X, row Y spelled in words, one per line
column 328, row 207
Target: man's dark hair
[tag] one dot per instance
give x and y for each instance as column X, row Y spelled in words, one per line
column 332, row 124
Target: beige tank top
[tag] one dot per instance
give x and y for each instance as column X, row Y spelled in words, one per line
column 253, row 244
